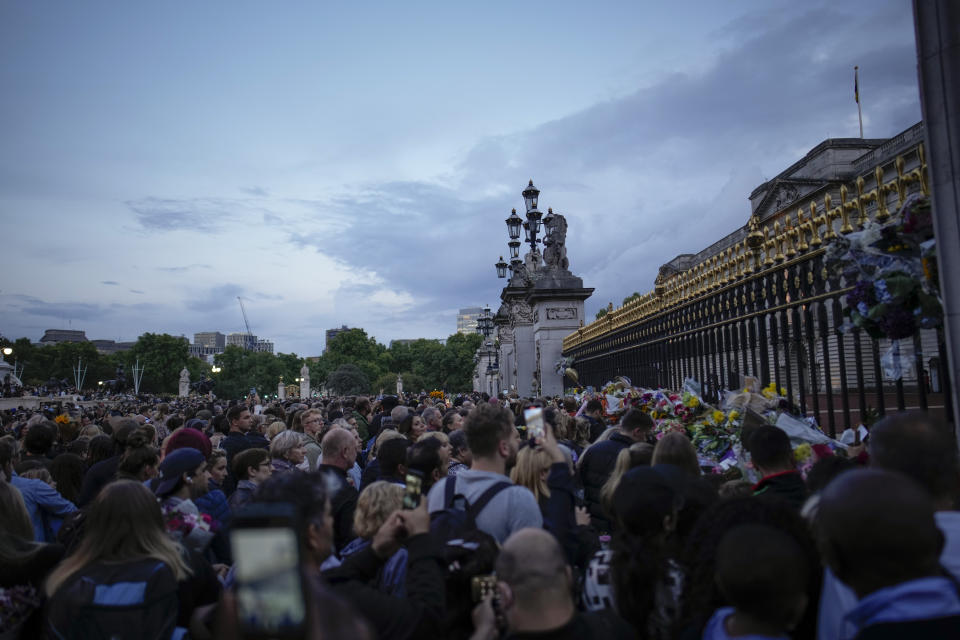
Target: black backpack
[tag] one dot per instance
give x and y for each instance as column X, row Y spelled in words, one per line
column 126, row 600
column 467, row 552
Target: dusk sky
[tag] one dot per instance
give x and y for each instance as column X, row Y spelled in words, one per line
column 353, row 163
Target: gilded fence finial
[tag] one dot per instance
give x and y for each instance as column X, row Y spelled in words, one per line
column 882, row 214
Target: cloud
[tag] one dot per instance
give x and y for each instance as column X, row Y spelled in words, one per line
column 109, row 282
column 215, row 298
column 259, row 192
column 184, row 268
column 664, row 170
column 137, row 291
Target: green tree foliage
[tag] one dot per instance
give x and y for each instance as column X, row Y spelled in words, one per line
column 162, row 356
column 460, row 350
column 348, row 379
column 352, row 347
column 630, row 298
column 243, row 370
column 601, row 313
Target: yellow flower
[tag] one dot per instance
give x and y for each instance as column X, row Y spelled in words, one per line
column 803, row 452
column 783, row 391
column 733, row 415
column 62, row 419
column 718, row 416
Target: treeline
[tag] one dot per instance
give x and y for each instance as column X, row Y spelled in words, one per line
column 353, row 363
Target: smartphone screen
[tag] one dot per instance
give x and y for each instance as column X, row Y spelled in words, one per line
column 411, row 498
column 269, row 587
column 534, row 419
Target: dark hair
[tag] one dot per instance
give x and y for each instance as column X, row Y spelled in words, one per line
column 362, row 405
column 485, row 427
column 448, row 417
column 919, row 446
column 67, row 470
column 8, row 451
column 246, row 459
column 593, row 405
column 392, row 454
column 424, row 456
column 769, row 447
column 825, row 470
column 101, row 448
column 234, row 412
column 174, row 423
column 636, row 419
column 138, row 454
column 762, row 572
column 39, row 440
column 458, row 442
column 305, row 491
column 700, row 594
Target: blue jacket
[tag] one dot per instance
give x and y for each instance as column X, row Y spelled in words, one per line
column 392, row 578
column 214, row 503
column 44, row 504
column 596, row 465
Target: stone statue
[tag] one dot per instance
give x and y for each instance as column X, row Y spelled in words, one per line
column 555, row 255
column 184, row 383
column 304, row 381
column 399, row 385
column 281, row 391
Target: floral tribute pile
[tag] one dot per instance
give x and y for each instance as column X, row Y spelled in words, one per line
column 715, row 430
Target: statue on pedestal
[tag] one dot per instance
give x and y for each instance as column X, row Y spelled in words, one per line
column 304, row 381
column 184, row 383
column 399, row 385
column 555, row 255
column 281, row 390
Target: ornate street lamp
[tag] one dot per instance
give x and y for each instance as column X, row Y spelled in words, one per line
column 513, row 225
column 501, row 268
column 514, row 251
column 530, row 196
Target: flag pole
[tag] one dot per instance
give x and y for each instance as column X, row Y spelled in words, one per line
column 856, row 96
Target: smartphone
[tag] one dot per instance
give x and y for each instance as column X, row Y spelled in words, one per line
column 270, row 587
column 481, row 586
column 411, row 497
column 534, row 419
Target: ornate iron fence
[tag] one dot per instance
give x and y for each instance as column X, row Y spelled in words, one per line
column 768, row 307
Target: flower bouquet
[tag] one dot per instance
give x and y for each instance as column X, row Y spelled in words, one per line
column 891, row 269
column 193, row 529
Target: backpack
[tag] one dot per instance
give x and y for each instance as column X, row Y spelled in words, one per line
column 467, row 552
column 130, row 600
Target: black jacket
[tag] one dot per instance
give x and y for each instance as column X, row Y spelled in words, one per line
column 419, row 614
column 595, row 469
column 96, row 478
column 786, row 485
column 597, row 427
column 342, row 504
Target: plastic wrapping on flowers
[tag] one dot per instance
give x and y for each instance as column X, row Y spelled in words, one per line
column 16, row 605
column 715, row 430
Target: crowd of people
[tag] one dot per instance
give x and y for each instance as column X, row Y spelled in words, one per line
column 432, row 517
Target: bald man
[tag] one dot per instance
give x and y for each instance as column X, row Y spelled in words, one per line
column 878, row 534
column 339, row 449
column 535, row 592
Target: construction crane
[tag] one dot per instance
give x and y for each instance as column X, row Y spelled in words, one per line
column 250, row 343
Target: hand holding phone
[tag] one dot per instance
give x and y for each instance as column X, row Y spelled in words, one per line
column 533, row 417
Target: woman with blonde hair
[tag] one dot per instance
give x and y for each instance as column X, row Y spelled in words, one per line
column 531, row 471
column 375, row 504
column 675, row 448
column 636, row 455
column 125, row 543
column 287, row 451
column 275, row 427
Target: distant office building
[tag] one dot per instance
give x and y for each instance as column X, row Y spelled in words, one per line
column 333, row 333
column 264, row 345
column 213, row 339
column 55, row 336
column 467, row 319
column 242, row 340
column 442, row 341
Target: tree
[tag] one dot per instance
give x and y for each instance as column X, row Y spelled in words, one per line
column 355, row 347
column 348, row 379
column 458, row 366
column 162, row 356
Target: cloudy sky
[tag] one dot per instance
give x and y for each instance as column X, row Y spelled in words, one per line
column 352, row 163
